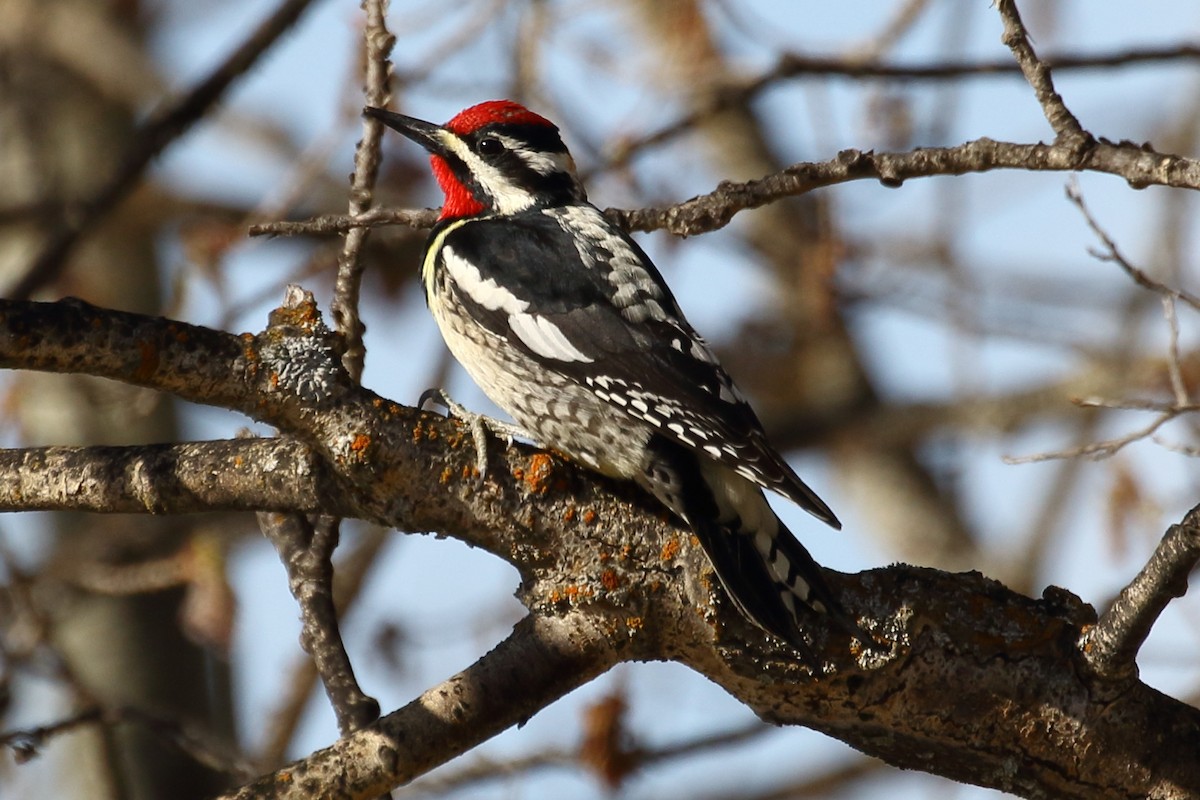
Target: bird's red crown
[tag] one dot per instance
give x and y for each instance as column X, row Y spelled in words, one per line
column 494, row 111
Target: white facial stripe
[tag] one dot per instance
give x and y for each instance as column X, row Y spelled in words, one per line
column 506, row 198
column 541, row 162
column 544, row 338
column 486, row 293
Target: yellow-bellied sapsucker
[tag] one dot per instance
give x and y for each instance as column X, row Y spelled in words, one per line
column 565, row 323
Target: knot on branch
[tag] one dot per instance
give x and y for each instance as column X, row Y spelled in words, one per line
column 301, row 355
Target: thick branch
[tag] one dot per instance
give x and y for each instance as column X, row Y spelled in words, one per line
column 542, row 660
column 605, row 557
column 237, row 475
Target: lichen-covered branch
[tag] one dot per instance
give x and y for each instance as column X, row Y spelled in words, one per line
column 609, row 578
column 235, row 475
column 543, row 659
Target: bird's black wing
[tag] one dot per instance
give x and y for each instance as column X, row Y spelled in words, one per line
column 609, row 322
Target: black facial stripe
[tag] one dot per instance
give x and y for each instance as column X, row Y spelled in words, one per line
column 536, row 137
column 465, row 176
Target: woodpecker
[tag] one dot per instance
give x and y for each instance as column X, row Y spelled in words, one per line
column 567, row 325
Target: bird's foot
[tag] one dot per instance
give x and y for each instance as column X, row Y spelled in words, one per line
column 478, row 424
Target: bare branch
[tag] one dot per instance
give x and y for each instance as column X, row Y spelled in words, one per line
column 306, row 550
column 794, row 65
column 1103, row 449
column 542, row 660
column 336, row 224
column 350, row 573
column 1113, row 254
column 377, row 45
column 27, row 743
column 1111, row 645
column 1139, row 165
column 1037, row 73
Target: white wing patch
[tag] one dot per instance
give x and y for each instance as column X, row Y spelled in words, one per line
column 538, row 333
column 485, row 292
column 544, row 338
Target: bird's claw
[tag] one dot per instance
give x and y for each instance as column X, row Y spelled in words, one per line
column 478, row 424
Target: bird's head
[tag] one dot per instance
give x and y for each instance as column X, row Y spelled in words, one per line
column 497, row 157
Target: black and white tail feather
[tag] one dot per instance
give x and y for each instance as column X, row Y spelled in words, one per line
column 767, row 573
column 565, row 322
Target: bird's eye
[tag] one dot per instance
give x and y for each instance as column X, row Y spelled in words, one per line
column 490, row 146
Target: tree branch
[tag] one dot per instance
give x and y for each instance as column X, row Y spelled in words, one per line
column 595, row 555
column 1113, row 643
column 377, row 45
column 306, row 550
column 543, row 659
column 1139, row 165
column 1037, row 72
column 235, row 475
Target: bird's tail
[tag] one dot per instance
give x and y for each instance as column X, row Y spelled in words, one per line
column 767, row 573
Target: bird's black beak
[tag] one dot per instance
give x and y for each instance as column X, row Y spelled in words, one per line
column 426, row 134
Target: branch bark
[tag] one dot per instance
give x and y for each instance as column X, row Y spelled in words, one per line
column 607, row 579
column 542, row 660
column 235, row 475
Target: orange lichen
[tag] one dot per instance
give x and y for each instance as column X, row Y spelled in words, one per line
column 670, row 549
column 361, row 443
column 609, row 579
column 574, row 592
column 445, row 476
column 634, row 623
column 541, row 466
column 569, row 514
column 589, row 517
column 147, row 361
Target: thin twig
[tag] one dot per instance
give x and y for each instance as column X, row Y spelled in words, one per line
column 172, row 121
column 1037, row 73
column 337, row 224
column 1138, row 165
column 349, row 578
column 305, row 549
column 1100, row 450
column 377, row 45
column 1174, row 364
column 27, row 743
column 792, row 66
column 1114, row 255
column 1111, row 646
